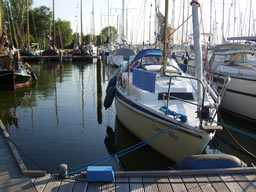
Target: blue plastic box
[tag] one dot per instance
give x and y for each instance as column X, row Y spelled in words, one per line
column 100, row 174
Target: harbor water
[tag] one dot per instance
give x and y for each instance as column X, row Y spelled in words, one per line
column 60, row 118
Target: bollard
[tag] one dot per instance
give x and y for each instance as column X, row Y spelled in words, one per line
column 63, row 171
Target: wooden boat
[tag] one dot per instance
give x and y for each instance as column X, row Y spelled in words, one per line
column 13, row 74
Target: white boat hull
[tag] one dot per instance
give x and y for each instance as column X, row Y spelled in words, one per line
column 240, row 97
column 175, row 145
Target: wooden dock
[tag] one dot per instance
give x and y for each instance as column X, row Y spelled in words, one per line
column 12, row 178
column 57, row 58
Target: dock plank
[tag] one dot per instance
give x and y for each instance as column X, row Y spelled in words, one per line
column 251, row 184
column 122, row 184
column 149, row 184
column 108, row 187
column 20, row 184
column 66, row 185
column 94, row 187
column 163, row 184
column 217, row 183
column 80, row 184
column 177, row 183
column 231, row 183
column 40, row 182
column 53, row 184
column 191, row 184
column 204, row 184
column 136, row 184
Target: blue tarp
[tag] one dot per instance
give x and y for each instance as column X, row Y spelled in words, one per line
column 144, row 80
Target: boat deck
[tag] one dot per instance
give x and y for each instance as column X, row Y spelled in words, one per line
column 15, row 177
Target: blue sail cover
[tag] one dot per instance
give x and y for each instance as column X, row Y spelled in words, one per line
column 146, row 52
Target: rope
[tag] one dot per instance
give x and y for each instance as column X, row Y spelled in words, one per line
column 240, row 131
column 125, row 151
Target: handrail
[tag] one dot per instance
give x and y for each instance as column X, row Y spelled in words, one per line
column 191, row 78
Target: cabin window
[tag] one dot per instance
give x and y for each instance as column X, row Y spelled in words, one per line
column 152, row 60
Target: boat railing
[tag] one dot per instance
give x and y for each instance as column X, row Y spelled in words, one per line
column 201, row 106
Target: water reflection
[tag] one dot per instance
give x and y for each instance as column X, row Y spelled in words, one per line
column 144, row 158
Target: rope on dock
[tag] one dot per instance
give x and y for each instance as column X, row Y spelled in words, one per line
column 121, row 153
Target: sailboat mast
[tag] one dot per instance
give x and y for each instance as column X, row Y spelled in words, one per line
column 28, row 38
column 197, row 45
column 165, row 36
column 81, row 17
column 250, row 18
column 53, row 28
column 123, row 37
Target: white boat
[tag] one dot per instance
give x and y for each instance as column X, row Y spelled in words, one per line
column 141, row 99
column 121, row 55
column 238, row 62
column 153, row 96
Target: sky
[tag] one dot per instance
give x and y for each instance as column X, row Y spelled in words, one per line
column 140, row 22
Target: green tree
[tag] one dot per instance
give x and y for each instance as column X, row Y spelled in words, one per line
column 87, row 39
column 63, row 33
column 40, row 21
column 112, row 37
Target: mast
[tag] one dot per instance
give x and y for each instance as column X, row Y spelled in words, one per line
column 123, row 37
column 81, row 17
column 250, row 18
column 53, row 28
column 165, row 36
column 222, row 27
column 198, row 51
column 183, row 12
column 28, row 38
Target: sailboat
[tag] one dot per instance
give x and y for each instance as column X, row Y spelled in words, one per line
column 82, row 53
column 52, row 50
column 13, row 74
column 155, row 99
column 124, row 53
column 28, row 51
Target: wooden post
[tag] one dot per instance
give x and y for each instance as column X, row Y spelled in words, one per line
column 60, row 56
column 99, row 90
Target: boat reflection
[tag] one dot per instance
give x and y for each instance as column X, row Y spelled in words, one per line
column 11, row 100
column 144, row 158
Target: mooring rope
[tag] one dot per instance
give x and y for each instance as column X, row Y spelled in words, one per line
column 239, row 131
column 124, row 151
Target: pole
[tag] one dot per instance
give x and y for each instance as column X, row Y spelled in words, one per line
column 165, row 36
column 53, row 28
column 81, row 17
column 198, row 51
column 28, row 38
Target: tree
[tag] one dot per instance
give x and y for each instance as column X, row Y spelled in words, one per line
column 87, row 39
column 63, row 33
column 112, row 37
column 40, row 22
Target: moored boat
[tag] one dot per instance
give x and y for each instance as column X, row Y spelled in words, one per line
column 238, row 62
column 157, row 101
